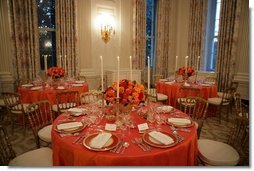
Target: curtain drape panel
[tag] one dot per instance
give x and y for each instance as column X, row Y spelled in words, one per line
column 196, row 40
column 139, row 35
column 24, row 38
column 66, row 35
column 162, row 37
column 227, row 42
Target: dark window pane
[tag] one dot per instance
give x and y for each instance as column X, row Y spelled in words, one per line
column 46, row 13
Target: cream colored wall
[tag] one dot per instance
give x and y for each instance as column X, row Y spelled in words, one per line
column 6, row 68
column 90, row 43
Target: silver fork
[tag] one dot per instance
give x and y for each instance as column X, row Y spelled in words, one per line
column 179, row 137
column 140, row 140
column 140, row 146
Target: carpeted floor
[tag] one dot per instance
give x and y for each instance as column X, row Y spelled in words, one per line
column 212, row 129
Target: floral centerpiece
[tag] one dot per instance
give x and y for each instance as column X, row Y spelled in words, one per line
column 56, row 72
column 186, row 72
column 130, row 93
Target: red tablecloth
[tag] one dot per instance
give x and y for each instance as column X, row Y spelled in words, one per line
column 172, row 91
column 66, row 153
column 30, row 96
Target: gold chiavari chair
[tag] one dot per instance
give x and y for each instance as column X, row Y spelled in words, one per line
column 40, row 117
column 38, row 157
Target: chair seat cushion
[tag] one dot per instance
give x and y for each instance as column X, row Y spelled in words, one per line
column 220, row 94
column 216, row 101
column 162, row 97
column 45, row 133
column 217, row 153
column 38, row 157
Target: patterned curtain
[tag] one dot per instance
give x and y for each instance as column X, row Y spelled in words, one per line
column 227, row 42
column 66, row 35
column 196, row 42
column 162, row 37
column 24, row 38
column 139, row 35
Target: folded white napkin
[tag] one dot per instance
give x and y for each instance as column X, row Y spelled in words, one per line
column 36, row 88
column 77, row 85
column 165, row 108
column 69, row 125
column 27, row 85
column 170, row 82
column 162, row 138
column 163, row 80
column 186, row 84
column 76, row 110
column 100, row 140
column 60, row 87
column 79, row 82
column 179, row 121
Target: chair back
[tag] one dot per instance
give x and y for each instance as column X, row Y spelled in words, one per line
column 12, row 102
column 6, row 151
column 234, row 85
column 186, row 91
column 66, row 100
column 196, row 108
column 238, row 102
column 40, row 115
column 239, row 138
column 227, row 96
column 90, row 97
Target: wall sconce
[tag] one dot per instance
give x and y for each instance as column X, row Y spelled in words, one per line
column 106, row 23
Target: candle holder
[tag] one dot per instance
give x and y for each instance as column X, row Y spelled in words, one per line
column 176, row 76
column 103, row 102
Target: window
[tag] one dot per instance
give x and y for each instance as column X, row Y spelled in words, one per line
column 150, row 29
column 212, row 34
column 47, row 34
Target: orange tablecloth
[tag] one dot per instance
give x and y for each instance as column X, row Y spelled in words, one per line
column 66, row 153
column 30, row 96
column 172, row 91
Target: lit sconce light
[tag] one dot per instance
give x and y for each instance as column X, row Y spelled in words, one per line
column 106, row 23
column 48, row 44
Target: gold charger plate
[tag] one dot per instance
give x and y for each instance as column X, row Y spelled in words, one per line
column 70, row 130
column 153, row 142
column 180, row 125
column 110, row 144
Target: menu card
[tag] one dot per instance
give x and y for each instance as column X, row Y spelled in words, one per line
column 162, row 138
column 100, row 140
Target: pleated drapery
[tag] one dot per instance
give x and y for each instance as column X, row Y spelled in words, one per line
column 24, row 38
column 227, row 42
column 197, row 25
column 66, row 35
column 139, row 35
column 162, row 37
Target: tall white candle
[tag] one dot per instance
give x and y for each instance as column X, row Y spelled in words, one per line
column 118, row 60
column 102, row 88
column 176, row 63
column 65, row 60
column 46, row 62
column 60, row 61
column 130, row 68
column 186, row 62
column 198, row 63
column 148, row 71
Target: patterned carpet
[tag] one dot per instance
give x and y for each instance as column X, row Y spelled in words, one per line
column 212, row 129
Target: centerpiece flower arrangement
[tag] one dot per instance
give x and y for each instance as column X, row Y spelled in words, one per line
column 130, row 93
column 56, row 72
column 183, row 71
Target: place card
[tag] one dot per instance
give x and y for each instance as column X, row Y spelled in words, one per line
column 142, row 127
column 110, row 127
column 100, row 140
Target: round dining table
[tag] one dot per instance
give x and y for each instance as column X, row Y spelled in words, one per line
column 30, row 94
column 172, row 90
column 68, row 153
